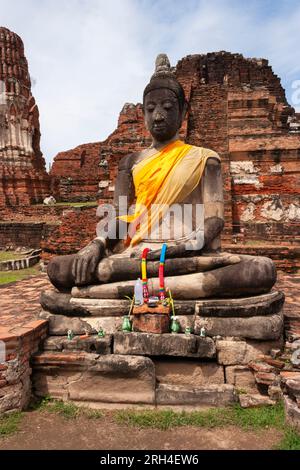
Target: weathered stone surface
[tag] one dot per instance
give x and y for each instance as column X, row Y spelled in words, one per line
column 163, row 345
column 192, row 373
column 275, row 392
column 102, row 307
column 209, row 395
column 261, row 367
column 292, row 412
column 241, row 377
column 258, row 305
column 266, row 378
column 12, row 397
column 295, row 358
column 286, row 375
column 59, row 303
column 64, row 304
column 293, row 346
column 293, row 388
column 90, row 344
column 60, row 324
column 242, row 352
column 90, row 377
column 254, row 400
column 260, row 328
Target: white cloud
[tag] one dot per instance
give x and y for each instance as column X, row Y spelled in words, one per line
column 89, row 57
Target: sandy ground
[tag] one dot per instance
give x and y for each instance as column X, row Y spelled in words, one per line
column 44, row 430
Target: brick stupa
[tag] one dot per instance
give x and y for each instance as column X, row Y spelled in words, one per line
column 23, row 177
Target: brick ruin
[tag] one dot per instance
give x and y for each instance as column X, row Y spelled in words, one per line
column 237, row 107
column 23, row 177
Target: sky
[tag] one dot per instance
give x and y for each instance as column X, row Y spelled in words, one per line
column 87, row 58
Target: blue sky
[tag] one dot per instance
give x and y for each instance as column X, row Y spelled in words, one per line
column 88, row 57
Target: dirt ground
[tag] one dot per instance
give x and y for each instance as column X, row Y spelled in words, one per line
column 44, row 430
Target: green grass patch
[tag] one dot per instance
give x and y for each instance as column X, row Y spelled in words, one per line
column 66, row 409
column 290, row 440
column 251, row 418
column 9, row 423
column 13, row 276
column 166, row 419
column 9, row 255
column 259, row 418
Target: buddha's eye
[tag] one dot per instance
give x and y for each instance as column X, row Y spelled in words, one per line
column 168, row 105
column 150, row 108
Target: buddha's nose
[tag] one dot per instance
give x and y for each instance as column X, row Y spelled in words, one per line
column 158, row 116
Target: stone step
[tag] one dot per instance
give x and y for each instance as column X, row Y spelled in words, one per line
column 209, row 395
column 261, row 328
column 90, row 344
column 88, row 377
column 259, row 305
column 168, row 344
column 118, row 381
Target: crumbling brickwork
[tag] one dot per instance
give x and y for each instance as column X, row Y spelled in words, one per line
column 23, row 178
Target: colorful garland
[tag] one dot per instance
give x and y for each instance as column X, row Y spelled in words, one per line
column 162, row 294
column 144, row 274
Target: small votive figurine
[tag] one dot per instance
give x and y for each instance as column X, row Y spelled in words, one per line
column 202, row 332
column 70, row 335
column 101, row 332
column 175, row 326
column 188, row 330
column 126, row 325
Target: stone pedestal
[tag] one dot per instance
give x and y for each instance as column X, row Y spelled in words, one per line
column 174, row 369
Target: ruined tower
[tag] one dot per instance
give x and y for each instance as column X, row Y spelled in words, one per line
column 23, row 177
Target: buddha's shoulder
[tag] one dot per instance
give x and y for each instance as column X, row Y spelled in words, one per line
column 203, row 152
column 127, row 162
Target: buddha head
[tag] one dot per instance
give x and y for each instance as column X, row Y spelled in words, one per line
column 164, row 103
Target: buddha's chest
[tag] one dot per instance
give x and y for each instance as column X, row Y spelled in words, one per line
column 181, row 220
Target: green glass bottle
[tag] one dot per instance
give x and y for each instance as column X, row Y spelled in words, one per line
column 126, row 325
column 70, row 335
column 175, row 326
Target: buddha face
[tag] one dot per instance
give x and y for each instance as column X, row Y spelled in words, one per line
column 163, row 116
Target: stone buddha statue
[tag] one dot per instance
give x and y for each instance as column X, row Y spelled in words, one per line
column 178, row 195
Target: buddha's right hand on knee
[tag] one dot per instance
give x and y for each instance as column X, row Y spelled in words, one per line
column 86, row 261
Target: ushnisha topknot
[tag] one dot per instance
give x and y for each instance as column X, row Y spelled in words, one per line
column 164, row 77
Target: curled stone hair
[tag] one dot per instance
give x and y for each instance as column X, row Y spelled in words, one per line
column 163, row 77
